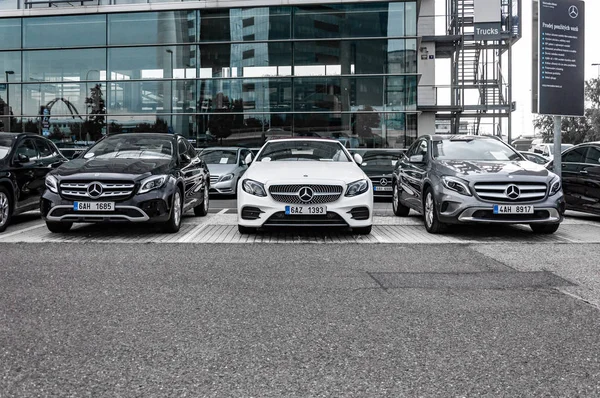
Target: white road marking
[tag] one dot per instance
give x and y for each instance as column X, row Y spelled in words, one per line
column 222, row 211
column 2, row 236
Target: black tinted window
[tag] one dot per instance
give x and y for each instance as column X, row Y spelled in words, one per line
column 5, row 145
column 593, row 155
column 575, row 156
column 27, row 148
column 45, row 149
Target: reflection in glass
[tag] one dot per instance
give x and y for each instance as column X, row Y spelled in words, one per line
column 63, row 65
column 164, row 27
column 139, row 97
column 242, row 24
column 10, row 32
column 152, row 62
column 10, row 61
column 245, row 59
column 65, row 99
column 64, row 31
column 245, row 95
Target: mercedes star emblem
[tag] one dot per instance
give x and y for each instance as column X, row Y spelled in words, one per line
column 383, row 181
column 306, row 194
column 573, row 12
column 512, row 192
column 94, row 190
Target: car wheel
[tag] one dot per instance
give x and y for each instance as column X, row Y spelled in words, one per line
column 58, row 227
column 202, row 209
column 362, row 230
column 544, row 228
column 6, row 208
column 430, row 216
column 399, row 209
column 246, row 230
column 174, row 222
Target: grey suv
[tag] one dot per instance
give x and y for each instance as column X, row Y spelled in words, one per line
column 475, row 179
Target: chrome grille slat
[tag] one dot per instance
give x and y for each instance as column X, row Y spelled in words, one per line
column 496, row 191
column 117, row 190
column 322, row 193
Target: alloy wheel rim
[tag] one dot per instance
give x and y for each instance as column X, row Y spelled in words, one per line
column 429, row 209
column 4, row 208
column 177, row 208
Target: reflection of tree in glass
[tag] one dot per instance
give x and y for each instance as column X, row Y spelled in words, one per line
column 95, row 123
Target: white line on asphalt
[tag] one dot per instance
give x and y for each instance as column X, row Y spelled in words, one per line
column 222, row 211
column 21, row 231
column 191, row 234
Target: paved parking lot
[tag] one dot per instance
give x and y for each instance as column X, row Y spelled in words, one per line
column 220, row 227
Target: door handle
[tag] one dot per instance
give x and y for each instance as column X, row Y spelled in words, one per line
column 585, row 172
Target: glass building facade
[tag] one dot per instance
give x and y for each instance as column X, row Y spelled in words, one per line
column 226, row 76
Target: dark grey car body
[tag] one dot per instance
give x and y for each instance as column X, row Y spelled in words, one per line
column 488, row 184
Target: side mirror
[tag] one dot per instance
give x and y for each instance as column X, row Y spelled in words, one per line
column 248, row 159
column 185, row 158
column 416, row 159
column 22, row 159
column 358, row 159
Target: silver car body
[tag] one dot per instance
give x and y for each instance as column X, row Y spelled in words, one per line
column 490, row 183
column 225, row 176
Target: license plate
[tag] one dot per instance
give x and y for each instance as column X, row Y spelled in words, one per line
column 305, row 210
column 383, row 188
column 513, row 209
column 94, row 206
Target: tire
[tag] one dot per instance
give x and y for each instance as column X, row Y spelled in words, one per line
column 546, row 229
column 58, row 227
column 362, row 230
column 6, row 208
column 202, row 209
column 399, row 209
column 174, row 223
column 430, row 216
column 246, row 230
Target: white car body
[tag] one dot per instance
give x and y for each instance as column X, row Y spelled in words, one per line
column 300, row 174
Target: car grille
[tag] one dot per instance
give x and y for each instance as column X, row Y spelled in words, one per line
column 111, row 190
column 497, row 191
column 214, row 179
column 321, row 193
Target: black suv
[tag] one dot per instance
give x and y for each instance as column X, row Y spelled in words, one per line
column 137, row 177
column 25, row 159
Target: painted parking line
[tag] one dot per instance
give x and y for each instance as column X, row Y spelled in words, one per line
column 20, row 231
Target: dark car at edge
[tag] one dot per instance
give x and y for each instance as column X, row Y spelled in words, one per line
column 379, row 165
column 475, row 179
column 25, row 159
column 137, row 177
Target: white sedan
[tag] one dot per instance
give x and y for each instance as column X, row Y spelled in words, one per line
column 305, row 182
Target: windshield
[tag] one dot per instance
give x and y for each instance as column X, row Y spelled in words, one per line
column 379, row 159
column 476, row 149
column 132, row 147
column 219, row 156
column 5, row 145
column 298, row 150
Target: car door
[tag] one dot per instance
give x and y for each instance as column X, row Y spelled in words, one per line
column 572, row 165
column 411, row 174
column 28, row 174
column 590, row 180
column 192, row 174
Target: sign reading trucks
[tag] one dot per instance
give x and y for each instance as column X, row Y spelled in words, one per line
column 487, row 19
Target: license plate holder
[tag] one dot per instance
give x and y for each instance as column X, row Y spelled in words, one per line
column 315, row 210
column 513, row 209
column 382, row 189
column 94, row 206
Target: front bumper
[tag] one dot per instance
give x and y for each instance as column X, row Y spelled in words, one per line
column 352, row 212
column 153, row 206
column 223, row 188
column 454, row 208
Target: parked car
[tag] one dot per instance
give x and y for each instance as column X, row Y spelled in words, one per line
column 522, row 144
column 226, row 165
column 70, row 150
column 379, row 167
column 25, row 159
column 534, row 157
column 305, row 182
column 475, row 179
column 547, row 149
column 130, row 177
column 581, row 177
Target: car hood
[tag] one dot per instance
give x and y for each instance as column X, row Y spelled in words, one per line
column 220, row 169
column 298, row 172
column 125, row 168
column 483, row 170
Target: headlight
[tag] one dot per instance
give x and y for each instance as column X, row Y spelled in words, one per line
column 153, row 182
column 357, row 187
column 226, row 177
column 457, row 185
column 555, row 186
column 52, row 184
column 254, row 188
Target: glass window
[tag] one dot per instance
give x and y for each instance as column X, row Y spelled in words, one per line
column 245, row 59
column 574, row 156
column 61, row 65
column 181, row 147
column 65, row 100
column 143, row 146
column 10, row 32
column 219, row 156
column 164, row 27
column 593, row 155
column 152, row 62
column 263, row 23
column 46, row 151
column 244, row 95
column 410, row 11
column 139, row 97
column 468, row 148
column 339, row 94
column 292, row 151
column 64, row 31
column 10, row 61
column 27, row 148
column 6, row 144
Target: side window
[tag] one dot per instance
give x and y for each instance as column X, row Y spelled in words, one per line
column 243, row 155
column 46, row 151
column 181, row 147
column 592, row 156
column 413, row 150
column 191, row 150
column 27, row 148
column 574, row 156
